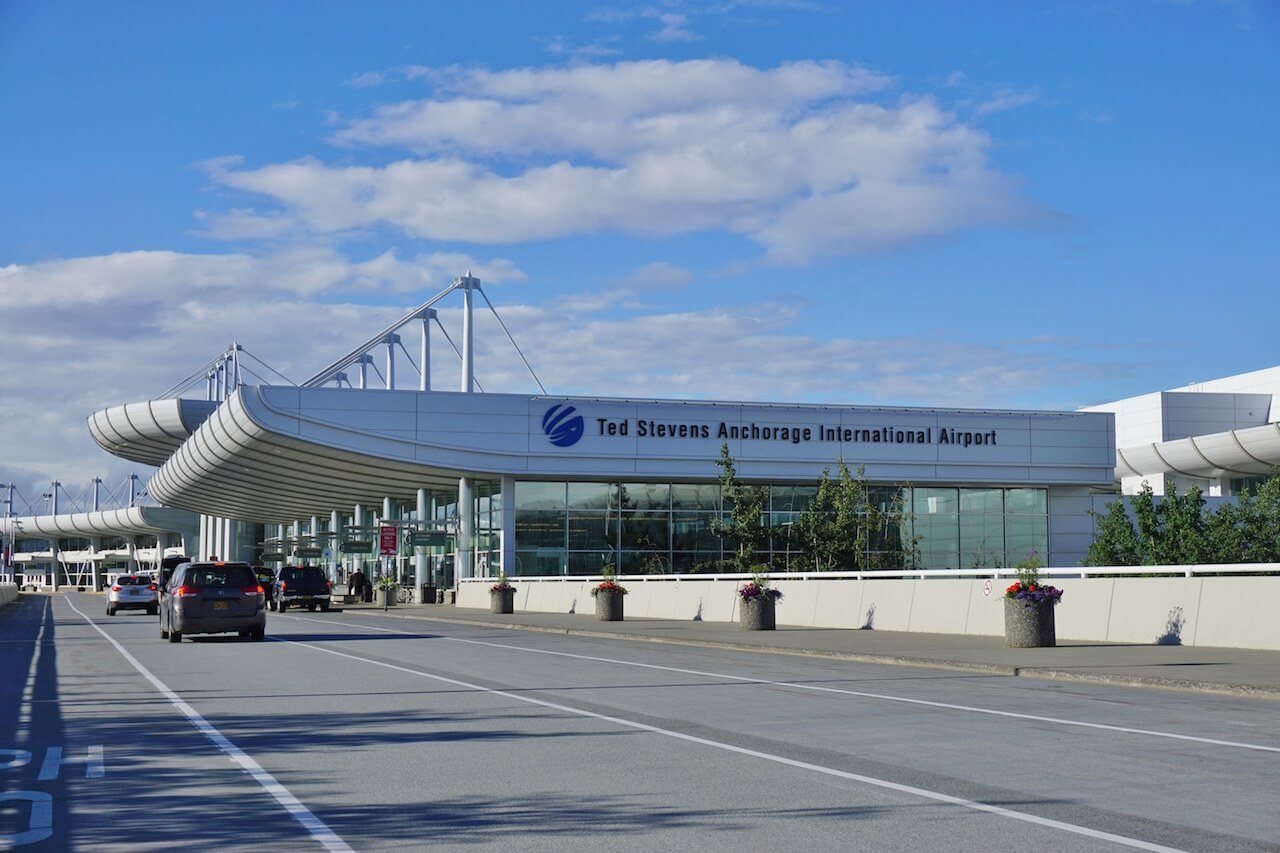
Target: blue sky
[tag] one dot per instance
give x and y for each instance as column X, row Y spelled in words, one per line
column 988, row 204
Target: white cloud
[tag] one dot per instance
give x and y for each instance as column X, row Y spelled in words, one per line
column 793, row 158
column 675, row 28
column 1007, row 99
column 367, row 79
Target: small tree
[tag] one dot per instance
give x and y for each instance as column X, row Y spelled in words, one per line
column 1148, row 525
column 1259, row 513
column 740, row 524
column 843, row 528
column 1182, row 539
column 1115, row 542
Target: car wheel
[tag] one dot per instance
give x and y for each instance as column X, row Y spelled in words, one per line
column 259, row 634
column 311, row 608
column 175, row 637
column 324, row 607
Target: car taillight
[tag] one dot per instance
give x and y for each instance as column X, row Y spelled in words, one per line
column 282, row 586
column 152, row 587
column 328, row 585
column 187, row 591
column 255, row 589
column 116, row 588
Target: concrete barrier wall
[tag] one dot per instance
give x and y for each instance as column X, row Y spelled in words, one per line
column 1234, row 612
column 8, row 593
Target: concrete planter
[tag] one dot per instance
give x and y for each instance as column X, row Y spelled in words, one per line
column 502, row 601
column 757, row 613
column 1028, row 625
column 609, row 605
column 385, row 597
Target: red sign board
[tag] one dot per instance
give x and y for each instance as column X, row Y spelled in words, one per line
column 388, row 542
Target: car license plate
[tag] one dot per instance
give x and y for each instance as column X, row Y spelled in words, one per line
column 220, row 605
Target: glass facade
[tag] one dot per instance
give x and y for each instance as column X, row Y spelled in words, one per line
column 581, row 528
column 565, row 528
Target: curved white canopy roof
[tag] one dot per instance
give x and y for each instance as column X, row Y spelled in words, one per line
column 130, row 521
column 250, row 460
column 148, row 432
column 288, row 452
column 1247, row 452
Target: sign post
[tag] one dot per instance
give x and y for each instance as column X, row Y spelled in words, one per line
column 388, row 545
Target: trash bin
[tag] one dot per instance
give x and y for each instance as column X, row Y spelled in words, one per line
column 428, row 594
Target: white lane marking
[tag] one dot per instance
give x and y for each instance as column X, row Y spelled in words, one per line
column 28, row 702
column 765, row 756
column 312, row 824
column 856, row 693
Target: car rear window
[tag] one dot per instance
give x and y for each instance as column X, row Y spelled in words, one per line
column 133, row 580
column 221, row 576
column 297, row 572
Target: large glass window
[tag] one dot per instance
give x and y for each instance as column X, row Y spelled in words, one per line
column 535, row 495
column 645, row 531
column 939, row 542
column 981, row 541
column 691, row 531
column 540, row 528
column 600, row 496
column 592, row 562
column 704, row 496
column 982, row 500
column 591, row 531
column 1024, row 534
column 791, row 499
column 933, row 501
column 648, row 527
column 542, row 562
column 644, row 496
column 1020, row 501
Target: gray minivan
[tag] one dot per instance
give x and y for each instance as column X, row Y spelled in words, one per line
column 213, row 598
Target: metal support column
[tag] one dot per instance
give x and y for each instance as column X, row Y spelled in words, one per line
column 508, row 558
column 466, row 528
column 420, row 551
column 424, row 375
column 333, row 546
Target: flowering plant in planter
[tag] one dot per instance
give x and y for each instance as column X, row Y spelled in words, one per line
column 758, row 588
column 1028, row 588
column 386, row 582
column 608, row 584
column 501, row 585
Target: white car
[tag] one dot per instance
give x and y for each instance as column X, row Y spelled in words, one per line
column 133, row 592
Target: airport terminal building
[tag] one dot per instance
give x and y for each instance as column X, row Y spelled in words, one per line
column 555, row 485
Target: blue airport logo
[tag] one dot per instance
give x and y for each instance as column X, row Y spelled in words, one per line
column 563, row 425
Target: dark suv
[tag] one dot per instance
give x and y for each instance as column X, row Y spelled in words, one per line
column 301, row 586
column 213, row 598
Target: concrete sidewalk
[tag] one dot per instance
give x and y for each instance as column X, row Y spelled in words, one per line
column 1239, row 672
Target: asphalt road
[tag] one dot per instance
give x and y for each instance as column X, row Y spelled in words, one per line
column 356, row 731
